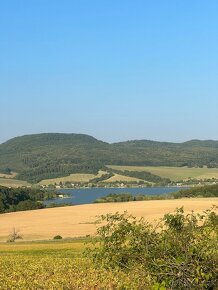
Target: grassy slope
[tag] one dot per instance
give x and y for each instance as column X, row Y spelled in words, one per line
column 173, row 173
column 122, row 178
column 77, row 177
column 74, row 178
column 12, row 175
column 9, row 182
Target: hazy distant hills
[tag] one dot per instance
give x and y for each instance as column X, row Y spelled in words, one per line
column 41, row 156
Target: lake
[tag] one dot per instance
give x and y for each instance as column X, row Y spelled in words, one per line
column 89, row 195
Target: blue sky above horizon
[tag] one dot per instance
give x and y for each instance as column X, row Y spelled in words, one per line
column 116, row 70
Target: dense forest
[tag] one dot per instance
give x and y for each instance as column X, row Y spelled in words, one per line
column 41, row 156
column 19, row 199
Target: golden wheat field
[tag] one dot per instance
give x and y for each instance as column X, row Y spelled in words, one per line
column 79, row 221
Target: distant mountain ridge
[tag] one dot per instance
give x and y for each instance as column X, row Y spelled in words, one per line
column 47, row 155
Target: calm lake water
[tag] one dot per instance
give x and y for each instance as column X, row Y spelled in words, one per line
column 89, row 195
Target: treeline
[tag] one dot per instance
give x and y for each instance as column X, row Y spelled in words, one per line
column 102, row 178
column 144, row 175
column 125, row 197
column 203, row 191
column 19, row 199
column 54, row 170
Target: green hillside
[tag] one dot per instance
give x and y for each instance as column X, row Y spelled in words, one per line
column 43, row 156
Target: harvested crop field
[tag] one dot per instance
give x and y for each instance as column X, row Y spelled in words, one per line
column 10, row 182
column 76, row 177
column 122, row 178
column 4, row 175
column 79, row 221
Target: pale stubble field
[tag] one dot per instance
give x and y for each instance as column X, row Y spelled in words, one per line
column 79, row 221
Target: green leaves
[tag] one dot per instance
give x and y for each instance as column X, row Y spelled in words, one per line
column 175, row 221
column 181, row 254
column 159, row 286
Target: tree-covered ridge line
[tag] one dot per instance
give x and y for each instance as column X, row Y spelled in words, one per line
column 44, row 156
column 19, row 199
column 203, row 191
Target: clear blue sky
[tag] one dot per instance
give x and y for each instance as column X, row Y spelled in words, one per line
column 115, row 69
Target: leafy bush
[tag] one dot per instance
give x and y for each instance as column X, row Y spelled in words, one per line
column 58, row 237
column 180, row 253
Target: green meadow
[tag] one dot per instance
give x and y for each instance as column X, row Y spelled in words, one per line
column 173, row 173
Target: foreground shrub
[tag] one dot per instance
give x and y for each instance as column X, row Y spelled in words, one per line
column 48, row 272
column 58, row 237
column 180, row 253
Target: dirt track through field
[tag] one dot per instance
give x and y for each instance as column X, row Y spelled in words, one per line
column 78, row 221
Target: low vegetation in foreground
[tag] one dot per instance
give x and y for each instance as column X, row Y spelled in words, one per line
column 181, row 252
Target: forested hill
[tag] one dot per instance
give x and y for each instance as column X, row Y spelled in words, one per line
column 41, row 156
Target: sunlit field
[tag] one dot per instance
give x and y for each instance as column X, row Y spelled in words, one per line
column 50, row 265
column 10, row 182
column 173, row 173
column 79, row 220
column 127, row 254
column 74, row 178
